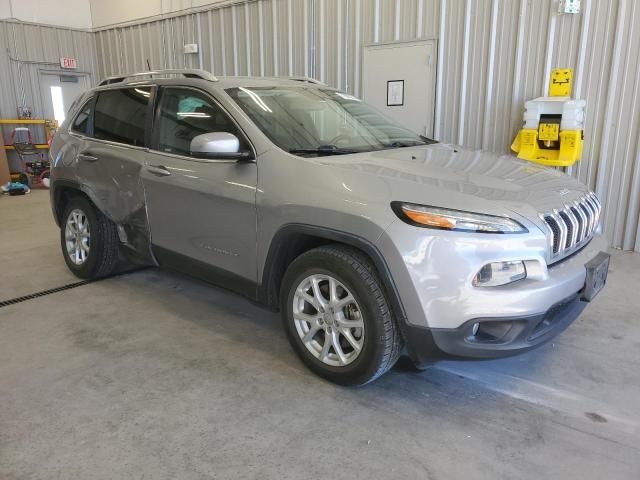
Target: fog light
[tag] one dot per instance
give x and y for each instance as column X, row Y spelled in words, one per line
column 500, row 273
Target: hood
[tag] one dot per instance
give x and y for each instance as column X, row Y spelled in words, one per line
column 452, row 177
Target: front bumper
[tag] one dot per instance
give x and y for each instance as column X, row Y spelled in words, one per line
column 434, row 277
column 502, row 337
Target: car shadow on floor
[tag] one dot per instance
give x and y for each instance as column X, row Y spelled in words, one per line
column 243, row 321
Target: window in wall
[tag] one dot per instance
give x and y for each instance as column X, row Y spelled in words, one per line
column 184, row 114
column 58, row 104
column 121, row 115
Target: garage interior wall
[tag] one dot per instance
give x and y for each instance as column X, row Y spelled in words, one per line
column 493, row 55
column 26, row 49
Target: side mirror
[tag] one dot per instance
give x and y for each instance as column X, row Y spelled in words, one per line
column 218, row 145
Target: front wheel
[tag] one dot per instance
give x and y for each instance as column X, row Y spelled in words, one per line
column 89, row 240
column 337, row 316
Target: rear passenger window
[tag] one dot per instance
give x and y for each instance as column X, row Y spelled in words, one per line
column 121, row 115
column 184, row 114
column 81, row 122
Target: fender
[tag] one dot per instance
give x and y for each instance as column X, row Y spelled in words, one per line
column 291, row 239
column 297, row 233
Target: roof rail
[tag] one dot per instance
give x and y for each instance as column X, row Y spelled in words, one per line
column 186, row 72
column 306, row 79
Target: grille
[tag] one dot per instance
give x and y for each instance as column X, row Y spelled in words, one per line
column 572, row 226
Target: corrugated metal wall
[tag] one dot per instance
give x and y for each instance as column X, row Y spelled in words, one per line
column 493, row 55
column 26, row 49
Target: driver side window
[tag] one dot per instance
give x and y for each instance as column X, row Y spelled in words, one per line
column 184, row 114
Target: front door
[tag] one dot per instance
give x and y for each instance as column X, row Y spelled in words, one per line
column 202, row 212
column 399, row 80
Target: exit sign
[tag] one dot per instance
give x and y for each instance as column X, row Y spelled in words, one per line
column 69, row 63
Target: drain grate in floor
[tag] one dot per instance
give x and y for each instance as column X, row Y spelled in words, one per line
column 31, row 296
column 69, row 286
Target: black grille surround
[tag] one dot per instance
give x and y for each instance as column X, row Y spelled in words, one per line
column 571, row 227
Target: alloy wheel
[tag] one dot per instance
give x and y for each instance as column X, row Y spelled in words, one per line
column 328, row 320
column 77, row 237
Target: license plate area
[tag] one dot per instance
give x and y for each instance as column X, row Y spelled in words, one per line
column 597, row 270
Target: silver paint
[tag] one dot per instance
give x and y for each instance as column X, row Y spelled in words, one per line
column 239, row 207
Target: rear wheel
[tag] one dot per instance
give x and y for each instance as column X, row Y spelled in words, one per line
column 89, row 240
column 337, row 317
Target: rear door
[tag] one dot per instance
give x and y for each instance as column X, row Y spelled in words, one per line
column 111, row 155
column 202, row 212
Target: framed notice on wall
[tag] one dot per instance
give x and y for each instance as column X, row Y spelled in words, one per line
column 395, row 93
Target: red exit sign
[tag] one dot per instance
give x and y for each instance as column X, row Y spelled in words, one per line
column 70, row 63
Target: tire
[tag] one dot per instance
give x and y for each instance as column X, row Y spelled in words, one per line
column 369, row 351
column 102, row 244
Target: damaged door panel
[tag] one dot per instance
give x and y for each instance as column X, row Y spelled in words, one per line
column 112, row 173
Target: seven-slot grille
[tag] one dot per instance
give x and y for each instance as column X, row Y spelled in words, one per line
column 573, row 225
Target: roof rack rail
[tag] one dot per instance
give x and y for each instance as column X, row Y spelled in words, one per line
column 186, row 72
column 307, row 80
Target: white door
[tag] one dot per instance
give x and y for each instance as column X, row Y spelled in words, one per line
column 399, row 79
column 59, row 92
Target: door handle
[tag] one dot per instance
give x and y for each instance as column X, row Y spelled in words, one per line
column 87, row 157
column 159, row 170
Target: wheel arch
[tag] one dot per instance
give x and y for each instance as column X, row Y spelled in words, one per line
column 61, row 193
column 294, row 239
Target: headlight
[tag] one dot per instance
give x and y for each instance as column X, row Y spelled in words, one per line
column 500, row 273
column 445, row 219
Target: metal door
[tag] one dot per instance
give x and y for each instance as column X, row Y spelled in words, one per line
column 399, row 79
column 58, row 92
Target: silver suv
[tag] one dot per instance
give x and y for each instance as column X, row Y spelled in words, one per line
column 371, row 240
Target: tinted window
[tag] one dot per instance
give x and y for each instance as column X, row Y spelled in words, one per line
column 81, row 122
column 185, row 114
column 121, row 115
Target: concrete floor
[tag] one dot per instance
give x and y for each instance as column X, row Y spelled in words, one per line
column 151, row 375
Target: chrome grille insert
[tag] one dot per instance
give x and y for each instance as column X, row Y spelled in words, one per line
column 572, row 226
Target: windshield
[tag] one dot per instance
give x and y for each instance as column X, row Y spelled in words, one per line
column 312, row 121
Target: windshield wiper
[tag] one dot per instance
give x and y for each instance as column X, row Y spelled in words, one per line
column 323, row 150
column 399, row 144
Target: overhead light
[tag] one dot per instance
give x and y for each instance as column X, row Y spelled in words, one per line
column 194, row 114
column 257, row 100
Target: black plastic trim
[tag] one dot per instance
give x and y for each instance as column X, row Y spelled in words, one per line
column 177, row 262
column 527, row 332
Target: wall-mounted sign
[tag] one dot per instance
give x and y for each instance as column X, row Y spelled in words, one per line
column 395, row 93
column 69, row 63
column 191, row 48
